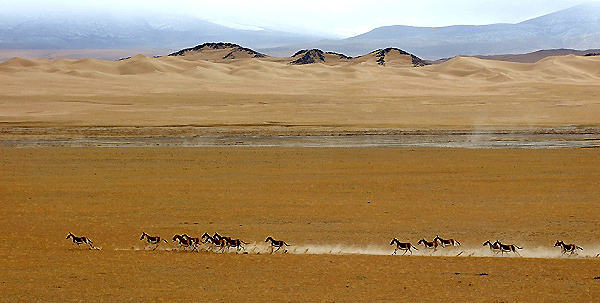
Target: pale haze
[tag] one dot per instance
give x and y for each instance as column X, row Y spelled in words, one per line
column 341, row 18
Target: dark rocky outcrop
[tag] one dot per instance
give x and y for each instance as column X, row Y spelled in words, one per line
column 308, row 57
column 220, row 45
column 314, row 56
column 382, row 53
column 301, row 57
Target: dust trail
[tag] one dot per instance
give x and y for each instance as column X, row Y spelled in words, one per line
column 538, row 252
column 526, row 252
column 340, row 250
column 150, row 249
column 542, row 252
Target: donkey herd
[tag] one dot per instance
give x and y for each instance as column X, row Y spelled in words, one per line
column 496, row 247
column 214, row 243
column 219, row 243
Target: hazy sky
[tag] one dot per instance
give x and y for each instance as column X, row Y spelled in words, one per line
column 344, row 18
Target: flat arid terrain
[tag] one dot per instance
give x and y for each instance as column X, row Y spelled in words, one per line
column 337, row 208
column 335, row 158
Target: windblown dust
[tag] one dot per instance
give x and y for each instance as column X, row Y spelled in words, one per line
column 311, row 249
column 526, row 252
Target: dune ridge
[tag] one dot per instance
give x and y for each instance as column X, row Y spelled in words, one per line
column 561, row 68
column 349, row 93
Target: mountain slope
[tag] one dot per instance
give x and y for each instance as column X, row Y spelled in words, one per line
column 577, row 27
column 107, row 31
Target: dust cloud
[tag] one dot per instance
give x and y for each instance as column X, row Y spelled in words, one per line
column 537, row 252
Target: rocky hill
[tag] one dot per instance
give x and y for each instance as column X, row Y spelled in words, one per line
column 220, row 50
column 317, row 56
column 225, row 52
column 393, row 55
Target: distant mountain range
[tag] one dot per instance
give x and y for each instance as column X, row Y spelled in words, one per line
column 106, row 31
column 533, row 56
column 575, row 28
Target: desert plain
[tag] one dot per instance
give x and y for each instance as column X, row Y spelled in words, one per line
column 68, row 165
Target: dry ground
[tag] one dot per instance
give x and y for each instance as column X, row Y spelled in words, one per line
column 351, row 197
column 348, row 199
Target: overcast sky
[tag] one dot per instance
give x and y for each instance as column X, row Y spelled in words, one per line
column 344, row 18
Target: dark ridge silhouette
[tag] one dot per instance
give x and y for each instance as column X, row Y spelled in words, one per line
column 220, row 45
column 342, row 56
column 592, row 54
column 129, row 57
column 302, row 51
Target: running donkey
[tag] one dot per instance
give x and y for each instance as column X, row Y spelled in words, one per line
column 276, row 243
column 429, row 245
column 567, row 248
column 406, row 246
column 152, row 240
column 508, row 248
column 494, row 247
column 444, row 242
column 80, row 240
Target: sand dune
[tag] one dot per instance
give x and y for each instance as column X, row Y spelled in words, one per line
column 562, row 68
column 462, row 92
